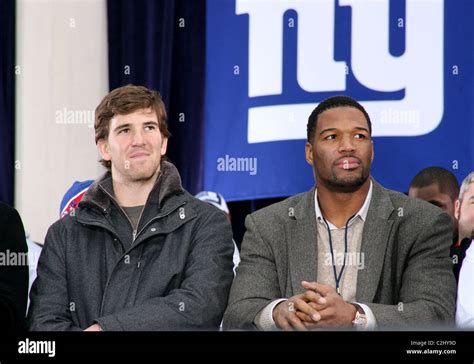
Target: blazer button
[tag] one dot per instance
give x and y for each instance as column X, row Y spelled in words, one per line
column 153, row 229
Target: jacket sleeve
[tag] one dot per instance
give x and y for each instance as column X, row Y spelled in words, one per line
column 49, row 305
column 428, row 287
column 256, row 283
column 13, row 275
column 200, row 301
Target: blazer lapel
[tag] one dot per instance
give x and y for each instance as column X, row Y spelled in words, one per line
column 301, row 242
column 375, row 237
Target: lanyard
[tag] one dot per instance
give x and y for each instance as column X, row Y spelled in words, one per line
column 337, row 277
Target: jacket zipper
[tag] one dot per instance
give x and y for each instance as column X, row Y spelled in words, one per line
column 135, row 234
column 138, row 266
column 148, row 223
column 138, row 223
column 159, row 217
column 134, row 231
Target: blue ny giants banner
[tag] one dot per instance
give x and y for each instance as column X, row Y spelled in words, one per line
column 269, row 63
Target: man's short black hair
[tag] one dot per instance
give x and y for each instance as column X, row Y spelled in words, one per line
column 446, row 181
column 331, row 103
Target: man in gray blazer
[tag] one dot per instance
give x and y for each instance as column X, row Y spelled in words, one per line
column 348, row 253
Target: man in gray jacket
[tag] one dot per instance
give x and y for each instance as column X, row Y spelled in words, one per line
column 348, row 253
column 139, row 252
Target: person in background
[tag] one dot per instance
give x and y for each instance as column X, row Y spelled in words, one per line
column 464, row 208
column 217, row 200
column 73, row 196
column 465, row 298
column 13, row 271
column 34, row 252
column 464, row 212
column 440, row 187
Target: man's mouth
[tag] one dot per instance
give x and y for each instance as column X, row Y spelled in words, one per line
column 138, row 155
column 348, row 163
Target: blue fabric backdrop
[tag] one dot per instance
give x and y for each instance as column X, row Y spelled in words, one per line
column 197, row 54
column 262, row 82
column 161, row 44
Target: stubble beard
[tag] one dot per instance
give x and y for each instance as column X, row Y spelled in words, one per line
column 347, row 184
column 142, row 176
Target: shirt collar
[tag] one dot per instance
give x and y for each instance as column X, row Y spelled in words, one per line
column 362, row 213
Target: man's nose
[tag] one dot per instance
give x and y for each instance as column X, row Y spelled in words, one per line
column 347, row 144
column 138, row 137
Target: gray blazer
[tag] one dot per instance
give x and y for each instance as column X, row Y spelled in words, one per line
column 407, row 280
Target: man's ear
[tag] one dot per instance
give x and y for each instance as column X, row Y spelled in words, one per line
column 457, row 209
column 103, row 147
column 164, row 146
column 308, row 148
column 373, row 151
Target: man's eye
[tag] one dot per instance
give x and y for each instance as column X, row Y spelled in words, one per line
column 124, row 131
column 330, row 137
column 360, row 136
column 150, row 127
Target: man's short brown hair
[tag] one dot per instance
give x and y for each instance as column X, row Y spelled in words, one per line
column 125, row 100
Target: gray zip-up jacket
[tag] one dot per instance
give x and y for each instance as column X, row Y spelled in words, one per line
column 173, row 273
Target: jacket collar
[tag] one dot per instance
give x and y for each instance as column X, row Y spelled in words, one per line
column 302, row 242
column 167, row 184
column 375, row 238
column 362, row 213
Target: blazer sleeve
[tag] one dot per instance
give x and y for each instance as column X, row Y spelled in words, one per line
column 256, row 283
column 428, row 287
column 13, row 271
